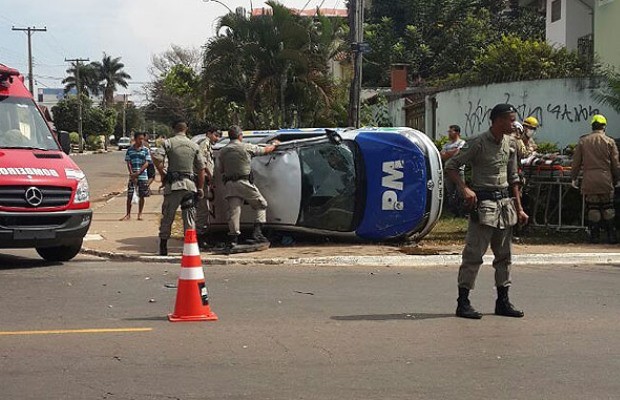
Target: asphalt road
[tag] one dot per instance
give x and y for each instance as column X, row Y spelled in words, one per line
column 305, row 333
column 106, row 172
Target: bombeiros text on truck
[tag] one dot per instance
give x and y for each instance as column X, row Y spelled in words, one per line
column 44, row 196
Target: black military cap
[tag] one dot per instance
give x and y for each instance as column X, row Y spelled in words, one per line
column 500, row 109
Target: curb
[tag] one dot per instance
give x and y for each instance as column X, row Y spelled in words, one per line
column 371, row 261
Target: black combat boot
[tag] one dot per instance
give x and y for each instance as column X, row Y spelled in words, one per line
column 203, row 243
column 257, row 235
column 464, row 308
column 163, row 247
column 232, row 241
column 595, row 232
column 610, row 227
column 503, row 306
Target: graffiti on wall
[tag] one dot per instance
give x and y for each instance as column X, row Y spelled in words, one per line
column 477, row 114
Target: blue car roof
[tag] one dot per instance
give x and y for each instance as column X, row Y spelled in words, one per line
column 396, row 179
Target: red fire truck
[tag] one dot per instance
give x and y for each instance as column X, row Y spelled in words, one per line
column 44, row 196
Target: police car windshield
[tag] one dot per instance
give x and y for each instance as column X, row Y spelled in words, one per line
column 22, row 126
column 328, row 186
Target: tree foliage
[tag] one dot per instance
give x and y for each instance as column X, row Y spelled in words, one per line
column 134, row 119
column 442, row 37
column 512, row 58
column 176, row 55
column 88, row 78
column 94, row 119
column 610, row 94
column 273, row 69
column 99, row 77
column 111, row 76
column 176, row 92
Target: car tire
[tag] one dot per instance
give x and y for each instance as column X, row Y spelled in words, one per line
column 60, row 253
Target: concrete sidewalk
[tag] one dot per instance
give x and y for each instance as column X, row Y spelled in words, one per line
column 138, row 240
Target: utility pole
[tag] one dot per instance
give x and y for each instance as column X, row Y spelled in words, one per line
column 124, row 115
column 29, row 31
column 77, row 62
column 358, row 47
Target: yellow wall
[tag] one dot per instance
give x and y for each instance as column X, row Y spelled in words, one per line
column 606, row 20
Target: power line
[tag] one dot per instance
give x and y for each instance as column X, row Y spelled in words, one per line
column 305, row 5
column 30, row 31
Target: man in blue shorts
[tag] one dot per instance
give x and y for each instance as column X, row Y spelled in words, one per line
column 137, row 158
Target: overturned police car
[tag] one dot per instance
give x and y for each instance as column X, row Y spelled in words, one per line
column 371, row 184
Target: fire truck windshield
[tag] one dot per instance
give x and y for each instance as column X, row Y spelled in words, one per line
column 22, row 126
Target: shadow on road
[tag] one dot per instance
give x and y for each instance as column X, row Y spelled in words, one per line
column 17, row 262
column 143, row 244
column 390, row 317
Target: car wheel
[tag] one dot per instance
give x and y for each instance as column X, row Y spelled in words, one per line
column 60, row 253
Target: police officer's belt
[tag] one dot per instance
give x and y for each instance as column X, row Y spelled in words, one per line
column 492, row 194
column 235, row 178
column 175, row 176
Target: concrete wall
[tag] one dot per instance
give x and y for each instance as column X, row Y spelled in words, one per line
column 606, row 19
column 563, row 107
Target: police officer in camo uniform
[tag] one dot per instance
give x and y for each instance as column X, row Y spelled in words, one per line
column 597, row 155
column 202, row 205
column 234, row 163
column 495, row 205
column 183, row 181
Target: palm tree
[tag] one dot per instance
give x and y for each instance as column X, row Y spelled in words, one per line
column 89, row 79
column 610, row 94
column 111, row 75
column 267, row 62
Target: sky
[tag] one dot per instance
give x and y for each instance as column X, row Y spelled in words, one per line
column 134, row 30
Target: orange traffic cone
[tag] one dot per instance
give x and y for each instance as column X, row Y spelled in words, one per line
column 192, row 302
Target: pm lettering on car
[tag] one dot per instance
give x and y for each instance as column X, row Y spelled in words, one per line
column 393, row 181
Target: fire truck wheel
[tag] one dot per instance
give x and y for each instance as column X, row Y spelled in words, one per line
column 60, row 253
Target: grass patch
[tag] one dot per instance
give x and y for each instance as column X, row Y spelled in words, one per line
column 452, row 231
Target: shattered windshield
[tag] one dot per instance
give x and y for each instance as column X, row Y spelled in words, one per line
column 328, row 186
column 22, row 126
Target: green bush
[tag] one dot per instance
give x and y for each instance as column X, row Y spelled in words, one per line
column 74, row 137
column 441, row 141
column 514, row 59
column 547, row 148
column 94, row 142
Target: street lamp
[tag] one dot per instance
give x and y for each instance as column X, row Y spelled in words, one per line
column 219, row 2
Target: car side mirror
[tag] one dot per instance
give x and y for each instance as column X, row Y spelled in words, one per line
column 65, row 141
column 333, row 136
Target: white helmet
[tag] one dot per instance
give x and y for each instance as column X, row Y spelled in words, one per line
column 517, row 126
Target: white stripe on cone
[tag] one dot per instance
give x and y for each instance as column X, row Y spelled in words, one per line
column 191, row 249
column 191, row 273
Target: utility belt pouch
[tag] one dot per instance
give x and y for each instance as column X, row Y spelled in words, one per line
column 176, row 176
column 500, row 213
